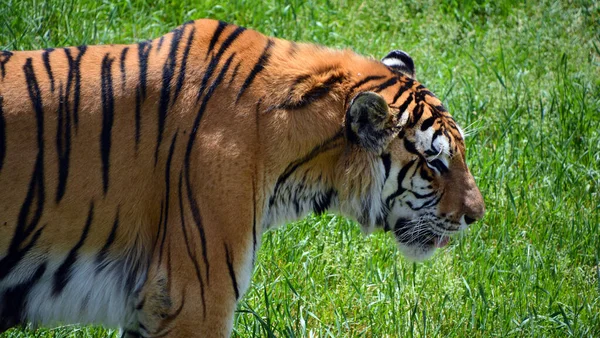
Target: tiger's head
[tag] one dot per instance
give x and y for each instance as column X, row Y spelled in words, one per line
column 417, row 154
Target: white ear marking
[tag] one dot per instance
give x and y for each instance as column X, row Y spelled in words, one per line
column 400, row 61
column 393, row 62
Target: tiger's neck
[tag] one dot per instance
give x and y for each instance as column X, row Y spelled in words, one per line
column 309, row 164
column 330, row 178
column 306, row 185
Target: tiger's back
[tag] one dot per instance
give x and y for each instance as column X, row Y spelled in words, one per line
column 136, row 180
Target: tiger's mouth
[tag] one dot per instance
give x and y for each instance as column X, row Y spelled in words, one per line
column 419, row 233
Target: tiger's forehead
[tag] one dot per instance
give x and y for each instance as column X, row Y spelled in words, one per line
column 427, row 119
column 436, row 117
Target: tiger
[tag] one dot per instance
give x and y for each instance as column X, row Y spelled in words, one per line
column 136, row 180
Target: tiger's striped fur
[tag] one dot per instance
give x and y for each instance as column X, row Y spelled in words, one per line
column 136, row 180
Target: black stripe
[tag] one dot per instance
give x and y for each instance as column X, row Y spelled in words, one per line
column 392, row 81
column 74, row 75
column 424, row 173
column 436, row 134
column 229, row 259
column 417, row 114
column 254, row 178
column 214, row 61
column 160, row 43
column 258, row 67
column 405, row 104
column 452, row 124
column 311, row 95
column 408, row 84
column 108, row 107
column 430, row 203
column 103, row 253
column 361, row 83
column 35, row 96
column 144, row 48
column 160, row 225
column 401, row 134
column 234, row 73
column 63, row 144
column 440, row 108
column 63, row 273
column 400, row 178
column 426, row 124
column 16, row 299
column 432, row 152
column 320, row 205
column 382, row 220
column 187, row 245
column 190, row 191
column 215, row 37
column 387, row 163
column 165, row 92
column 292, row 167
column 46, row 58
column 27, row 223
column 422, row 196
column 135, row 269
column 439, row 165
column 16, row 252
column 183, row 67
column 423, row 93
column 364, row 81
column 445, row 131
column 167, row 195
column 122, row 64
column 36, row 100
column 410, row 147
column 2, row 134
column 290, row 102
column 4, row 58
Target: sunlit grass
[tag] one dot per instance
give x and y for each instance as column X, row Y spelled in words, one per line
column 522, row 78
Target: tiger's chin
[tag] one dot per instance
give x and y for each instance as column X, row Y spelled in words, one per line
column 418, row 239
column 419, row 251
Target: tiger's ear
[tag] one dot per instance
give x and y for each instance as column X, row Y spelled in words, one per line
column 401, row 62
column 369, row 122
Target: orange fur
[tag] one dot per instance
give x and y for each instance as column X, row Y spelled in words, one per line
column 251, row 130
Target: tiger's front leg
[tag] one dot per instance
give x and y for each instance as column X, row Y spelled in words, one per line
column 199, row 270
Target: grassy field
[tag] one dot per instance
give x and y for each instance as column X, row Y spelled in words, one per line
column 522, row 77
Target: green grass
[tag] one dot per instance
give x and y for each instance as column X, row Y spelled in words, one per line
column 522, row 77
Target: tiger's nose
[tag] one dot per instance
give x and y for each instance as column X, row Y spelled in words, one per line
column 471, row 218
column 474, row 207
column 474, row 212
